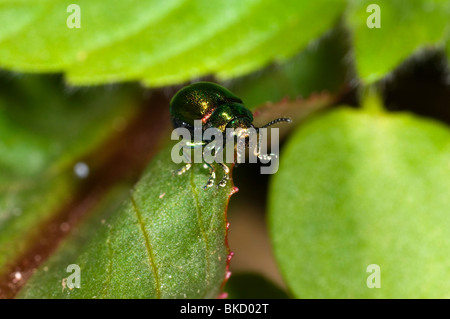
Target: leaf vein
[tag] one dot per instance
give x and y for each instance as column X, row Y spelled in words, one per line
column 151, row 256
column 109, row 267
column 202, row 230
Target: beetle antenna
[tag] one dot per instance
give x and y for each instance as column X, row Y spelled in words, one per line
column 281, row 119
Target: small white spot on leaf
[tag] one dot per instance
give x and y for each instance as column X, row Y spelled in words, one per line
column 81, row 170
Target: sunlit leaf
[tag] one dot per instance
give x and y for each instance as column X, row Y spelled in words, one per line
column 405, row 27
column 355, row 189
column 158, row 42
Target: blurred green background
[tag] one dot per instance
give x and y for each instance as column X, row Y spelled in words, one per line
column 364, row 175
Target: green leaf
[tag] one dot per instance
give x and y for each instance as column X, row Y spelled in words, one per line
column 279, row 90
column 448, row 50
column 158, row 42
column 405, row 27
column 167, row 240
column 252, row 286
column 41, row 139
column 320, row 67
column 355, row 189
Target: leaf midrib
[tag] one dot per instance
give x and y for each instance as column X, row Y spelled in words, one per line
column 148, row 246
column 202, row 230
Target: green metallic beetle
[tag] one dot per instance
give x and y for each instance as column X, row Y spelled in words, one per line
column 216, row 107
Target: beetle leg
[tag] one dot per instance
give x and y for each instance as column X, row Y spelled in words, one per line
column 267, row 157
column 184, row 169
column 226, row 175
column 257, row 151
column 212, row 176
column 187, row 156
column 187, row 166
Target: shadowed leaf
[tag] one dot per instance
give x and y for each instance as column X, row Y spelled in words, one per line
column 252, row 286
column 167, row 240
column 41, row 139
